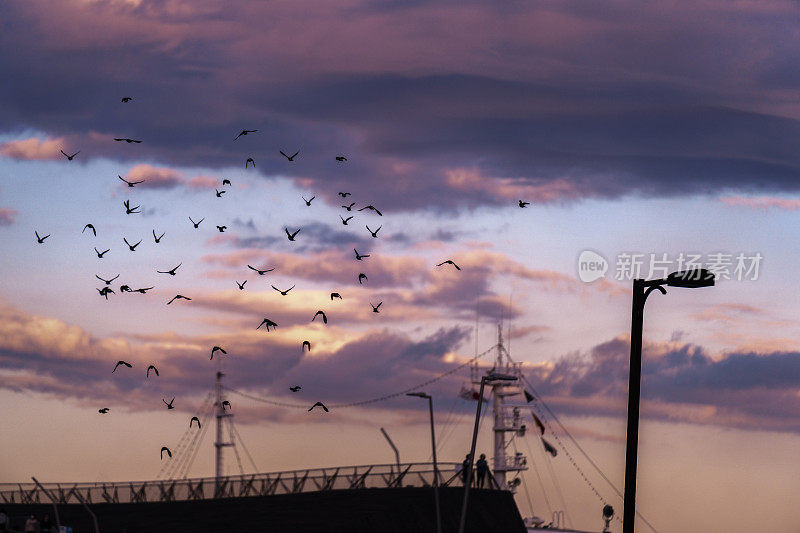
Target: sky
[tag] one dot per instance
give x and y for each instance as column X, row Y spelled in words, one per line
column 646, row 137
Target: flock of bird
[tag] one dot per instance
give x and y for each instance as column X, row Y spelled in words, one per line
column 267, row 323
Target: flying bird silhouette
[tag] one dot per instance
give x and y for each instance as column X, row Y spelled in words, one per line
column 158, row 239
column 125, row 288
column 106, row 281
column 341, row 158
column 295, row 388
column 283, row 293
column 374, row 233
column 449, row 261
column 371, row 208
column 194, row 419
column 267, row 322
column 103, row 411
column 291, row 235
column 132, row 246
column 169, row 405
column 126, row 99
column 69, row 157
column 290, row 158
column 244, row 132
column 219, row 193
column 217, row 349
column 261, row 272
column 249, row 160
column 226, row 403
column 344, row 194
column 130, row 183
column 124, row 363
column 320, row 404
column 524, row 204
column 241, row 285
column 335, row 295
column 143, row 291
column 362, row 276
column 101, row 254
column 165, row 449
column 324, row 318
column 226, row 181
column 222, row 228
column 170, row 272
column 105, row 291
column 152, row 367
column 128, row 209
column 375, row 307
column 359, row 257
column 120, row 139
column 196, row 224
column 308, row 202
column 178, row 297
column 344, row 220
column 349, row 207
column 91, row 227
column 306, row 344
column 41, row 239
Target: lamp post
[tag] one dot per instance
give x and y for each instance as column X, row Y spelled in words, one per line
column 471, row 459
column 435, row 465
column 641, row 290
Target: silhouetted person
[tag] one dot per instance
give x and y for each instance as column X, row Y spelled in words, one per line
column 47, row 525
column 481, row 469
column 465, row 468
column 32, row 525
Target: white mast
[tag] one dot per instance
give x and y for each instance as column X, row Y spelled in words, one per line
column 221, row 414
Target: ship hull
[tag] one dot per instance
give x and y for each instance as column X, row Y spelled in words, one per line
column 386, row 510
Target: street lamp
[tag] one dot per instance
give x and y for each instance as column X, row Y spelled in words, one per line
column 471, row 459
column 690, row 279
column 435, row 466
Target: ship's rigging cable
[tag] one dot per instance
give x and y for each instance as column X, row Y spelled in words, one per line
column 185, row 453
column 183, row 442
column 525, row 485
column 557, row 485
column 241, row 441
column 371, row 400
column 539, row 477
column 201, row 435
column 235, row 451
column 544, row 417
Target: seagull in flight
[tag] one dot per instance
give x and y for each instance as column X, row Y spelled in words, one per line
column 335, row 295
column 125, row 288
column 291, row 235
column 217, row 349
column 324, row 318
column 219, row 193
column 152, row 367
column 222, row 228
column 308, row 202
column 158, row 238
column 124, row 363
column 226, row 403
column 101, row 254
column 106, row 281
column 103, row 411
column 341, row 158
column 105, row 292
column 374, row 233
column 132, row 246
column 295, row 388
column 91, row 227
column 362, row 276
column 196, row 224
column 130, row 183
column 244, row 132
column 194, row 419
column 126, row 99
column 344, row 194
column 128, row 209
column 349, row 207
column 143, row 290
column 241, row 285
column 170, row 272
column 249, row 160
column 344, row 220
column 372, row 208
column 283, row 293
column 69, row 157
column 267, row 322
column 524, row 204
column 260, row 272
column 178, row 297
column 169, row 405
column 126, row 140
column 41, row 239
column 320, row 404
column 290, row 158
column 165, row 449
column 225, row 182
column 449, row 261
column 359, row 257
column 306, row 344
column 375, row 307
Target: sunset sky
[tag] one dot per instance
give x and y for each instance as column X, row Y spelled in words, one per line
column 661, row 131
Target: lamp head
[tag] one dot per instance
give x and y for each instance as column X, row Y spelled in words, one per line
column 691, row 279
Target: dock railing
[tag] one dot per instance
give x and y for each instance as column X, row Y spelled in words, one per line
column 287, row 482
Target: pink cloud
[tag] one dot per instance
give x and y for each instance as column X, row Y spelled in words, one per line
column 7, row 216
column 154, row 177
column 205, row 182
column 761, row 202
column 512, row 189
column 34, row 149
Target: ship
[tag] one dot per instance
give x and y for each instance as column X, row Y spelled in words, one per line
column 386, row 498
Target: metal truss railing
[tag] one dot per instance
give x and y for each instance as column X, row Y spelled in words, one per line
column 288, row 482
